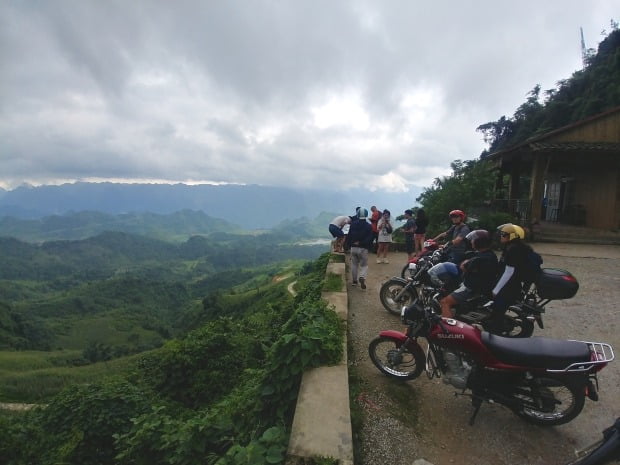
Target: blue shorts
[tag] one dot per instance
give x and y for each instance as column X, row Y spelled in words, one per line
column 463, row 294
column 335, row 230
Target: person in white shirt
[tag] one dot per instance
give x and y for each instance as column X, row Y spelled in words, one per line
column 335, row 228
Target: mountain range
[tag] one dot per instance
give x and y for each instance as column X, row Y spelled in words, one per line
column 248, row 206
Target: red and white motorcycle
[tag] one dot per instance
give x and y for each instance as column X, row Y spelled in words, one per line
column 543, row 380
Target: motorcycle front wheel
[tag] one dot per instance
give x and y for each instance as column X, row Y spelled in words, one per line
column 405, row 272
column 394, row 296
column 396, row 360
column 550, row 400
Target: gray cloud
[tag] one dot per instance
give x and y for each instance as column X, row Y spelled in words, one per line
column 306, row 93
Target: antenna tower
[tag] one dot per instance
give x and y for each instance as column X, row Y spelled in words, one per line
column 584, row 53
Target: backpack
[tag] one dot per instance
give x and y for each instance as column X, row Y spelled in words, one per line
column 532, row 266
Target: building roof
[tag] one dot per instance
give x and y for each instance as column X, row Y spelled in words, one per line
column 566, row 146
column 536, row 143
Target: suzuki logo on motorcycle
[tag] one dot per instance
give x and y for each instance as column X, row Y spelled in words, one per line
column 451, row 336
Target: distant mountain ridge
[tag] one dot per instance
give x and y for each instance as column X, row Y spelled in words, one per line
column 249, row 206
column 80, row 225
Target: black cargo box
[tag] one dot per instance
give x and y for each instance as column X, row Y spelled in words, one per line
column 556, row 284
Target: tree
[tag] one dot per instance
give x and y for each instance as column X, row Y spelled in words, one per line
column 468, row 188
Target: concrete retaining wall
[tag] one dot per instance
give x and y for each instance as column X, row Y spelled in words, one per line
column 322, row 422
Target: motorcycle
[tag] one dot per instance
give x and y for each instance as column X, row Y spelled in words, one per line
column 430, row 246
column 426, row 288
column 543, row 380
column 603, row 451
column 432, row 278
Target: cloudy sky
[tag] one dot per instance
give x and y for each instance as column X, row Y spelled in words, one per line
column 334, row 94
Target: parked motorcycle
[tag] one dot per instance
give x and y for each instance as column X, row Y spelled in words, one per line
column 433, row 278
column 545, row 381
column 426, row 288
column 430, row 246
column 603, row 451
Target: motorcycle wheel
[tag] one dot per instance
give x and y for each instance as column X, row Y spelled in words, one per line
column 549, row 400
column 388, row 294
column 515, row 325
column 405, row 271
column 406, row 364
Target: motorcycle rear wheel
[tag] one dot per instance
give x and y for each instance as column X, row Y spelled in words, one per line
column 403, row 364
column 550, row 400
column 389, row 296
column 515, row 325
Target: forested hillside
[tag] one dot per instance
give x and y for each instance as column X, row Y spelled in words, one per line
column 587, row 92
column 471, row 186
column 125, row 291
column 223, row 393
column 79, row 225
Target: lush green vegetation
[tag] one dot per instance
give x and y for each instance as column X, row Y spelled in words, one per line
column 589, row 91
column 128, row 292
column 80, row 225
column 78, row 311
column 470, row 187
column 224, row 393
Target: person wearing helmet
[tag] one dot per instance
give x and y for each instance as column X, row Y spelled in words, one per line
column 514, row 267
column 456, row 236
column 479, row 272
column 359, row 240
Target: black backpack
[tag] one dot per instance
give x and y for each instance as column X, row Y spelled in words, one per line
column 532, row 267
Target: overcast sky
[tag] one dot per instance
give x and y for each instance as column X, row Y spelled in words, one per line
column 335, row 94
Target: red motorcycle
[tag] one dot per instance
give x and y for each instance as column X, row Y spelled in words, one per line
column 409, row 269
column 543, row 380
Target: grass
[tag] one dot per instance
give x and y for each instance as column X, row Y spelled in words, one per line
column 37, row 380
column 333, row 282
column 114, row 329
column 336, row 258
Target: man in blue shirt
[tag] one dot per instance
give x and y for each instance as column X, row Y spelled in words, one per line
column 359, row 240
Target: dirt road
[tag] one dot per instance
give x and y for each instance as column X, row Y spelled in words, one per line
column 423, row 419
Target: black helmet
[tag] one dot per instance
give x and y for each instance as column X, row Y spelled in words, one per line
column 479, row 238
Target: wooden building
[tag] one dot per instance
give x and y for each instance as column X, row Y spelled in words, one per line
column 570, row 175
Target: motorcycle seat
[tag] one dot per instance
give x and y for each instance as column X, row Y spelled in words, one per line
column 537, row 352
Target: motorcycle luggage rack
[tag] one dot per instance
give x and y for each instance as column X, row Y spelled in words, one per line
column 604, row 354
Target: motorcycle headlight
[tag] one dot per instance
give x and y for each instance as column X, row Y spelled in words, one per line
column 413, row 267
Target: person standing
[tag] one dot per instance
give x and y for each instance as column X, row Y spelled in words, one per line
column 419, row 236
column 375, row 216
column 409, row 230
column 359, row 240
column 335, row 228
column 385, row 237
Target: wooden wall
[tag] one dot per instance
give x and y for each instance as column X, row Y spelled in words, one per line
column 606, row 129
column 598, row 191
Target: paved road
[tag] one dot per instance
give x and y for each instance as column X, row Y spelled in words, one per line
column 433, row 423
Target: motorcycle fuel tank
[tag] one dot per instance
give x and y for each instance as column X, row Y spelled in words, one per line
column 461, row 337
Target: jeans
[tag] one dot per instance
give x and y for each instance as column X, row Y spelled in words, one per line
column 359, row 263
